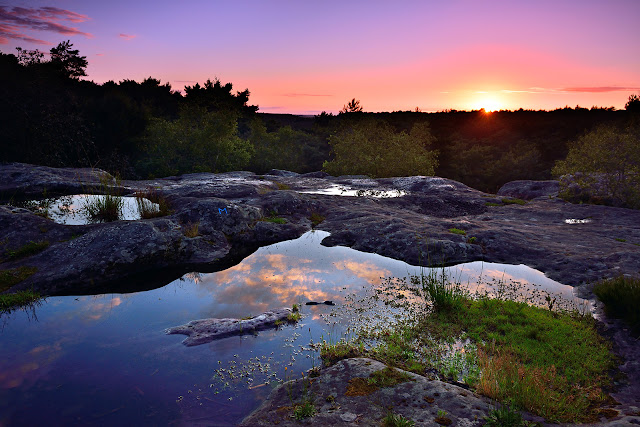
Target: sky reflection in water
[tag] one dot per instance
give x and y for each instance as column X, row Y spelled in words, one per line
column 105, row 359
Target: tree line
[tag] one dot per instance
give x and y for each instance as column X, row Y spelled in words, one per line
column 49, row 116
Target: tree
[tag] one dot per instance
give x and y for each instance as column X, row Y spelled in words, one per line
column 372, row 147
column 633, row 104
column 198, row 141
column 352, row 106
column 68, row 60
column 603, row 166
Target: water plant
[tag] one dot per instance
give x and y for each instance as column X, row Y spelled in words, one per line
column 10, row 302
column 107, row 205
column 151, row 204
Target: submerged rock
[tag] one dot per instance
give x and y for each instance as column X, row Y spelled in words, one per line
column 206, row 330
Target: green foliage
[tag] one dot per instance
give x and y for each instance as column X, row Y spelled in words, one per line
column 9, row 302
column 505, row 416
column 621, row 296
column 103, row 208
column 443, row 294
column 604, row 165
column 333, row 353
column 316, row 219
column 372, row 147
column 11, row 277
column 274, row 219
column 514, row 201
column 396, row 420
column 388, row 377
column 457, row 231
column 304, row 410
column 293, row 317
column 198, row 141
column 28, row 249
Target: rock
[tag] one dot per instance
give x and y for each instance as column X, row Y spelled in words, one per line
column 207, row 330
column 279, row 172
column 528, row 190
column 418, row 399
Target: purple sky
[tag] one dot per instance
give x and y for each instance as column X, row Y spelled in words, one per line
column 308, row 56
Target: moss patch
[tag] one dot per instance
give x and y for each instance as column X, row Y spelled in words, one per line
column 11, row 277
column 28, row 249
column 360, row 387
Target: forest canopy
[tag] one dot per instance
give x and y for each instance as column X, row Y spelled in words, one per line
column 50, row 116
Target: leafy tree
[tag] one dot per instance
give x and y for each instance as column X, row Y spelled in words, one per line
column 68, row 60
column 603, row 166
column 633, row 104
column 372, row 147
column 214, row 96
column 352, row 106
column 198, row 141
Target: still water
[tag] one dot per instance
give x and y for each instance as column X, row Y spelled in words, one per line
column 105, row 359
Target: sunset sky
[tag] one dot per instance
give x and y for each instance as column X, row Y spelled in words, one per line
column 305, row 57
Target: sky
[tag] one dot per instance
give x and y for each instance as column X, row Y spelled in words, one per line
column 307, row 56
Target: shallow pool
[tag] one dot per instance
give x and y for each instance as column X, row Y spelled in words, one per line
column 105, row 359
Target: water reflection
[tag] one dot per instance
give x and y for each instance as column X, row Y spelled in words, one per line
column 70, row 210
column 343, row 190
column 105, row 359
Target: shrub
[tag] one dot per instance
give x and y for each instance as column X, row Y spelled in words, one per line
column 602, row 166
column 372, row 147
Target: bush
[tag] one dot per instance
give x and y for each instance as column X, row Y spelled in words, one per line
column 372, row 147
column 199, row 141
column 602, row 166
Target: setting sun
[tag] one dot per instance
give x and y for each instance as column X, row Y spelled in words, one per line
column 489, row 105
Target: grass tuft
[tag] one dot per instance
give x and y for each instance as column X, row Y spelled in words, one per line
column 514, row 201
column 621, row 296
column 191, row 229
column 10, row 302
column 9, row 278
column 28, row 249
column 316, row 219
column 151, row 204
column 396, row 420
column 457, row 231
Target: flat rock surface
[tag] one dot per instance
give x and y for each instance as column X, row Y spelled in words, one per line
column 574, row 244
column 418, row 399
column 206, row 330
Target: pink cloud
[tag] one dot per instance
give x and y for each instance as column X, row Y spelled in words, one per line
column 127, row 36
column 599, row 89
column 14, row 21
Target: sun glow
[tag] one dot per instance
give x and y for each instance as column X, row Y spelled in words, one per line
column 489, row 105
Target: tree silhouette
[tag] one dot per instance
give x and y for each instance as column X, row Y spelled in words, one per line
column 352, row 106
column 633, row 104
column 68, row 60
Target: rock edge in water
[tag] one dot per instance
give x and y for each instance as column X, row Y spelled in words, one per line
column 206, row 330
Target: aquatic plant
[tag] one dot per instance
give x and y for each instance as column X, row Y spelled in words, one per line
column 151, row 204
column 107, row 206
column 10, row 302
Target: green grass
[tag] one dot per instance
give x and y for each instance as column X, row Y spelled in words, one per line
column 282, row 186
column 505, row 416
column 514, row 201
column 396, row 420
column 9, row 302
column 28, row 249
column 621, row 297
column 274, row 219
column 493, row 204
column 457, row 231
column 550, row 363
column 11, row 277
column 388, row 377
column 621, row 240
column 316, row 219
column 304, row 410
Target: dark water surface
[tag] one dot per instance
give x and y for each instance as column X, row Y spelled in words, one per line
column 105, row 359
